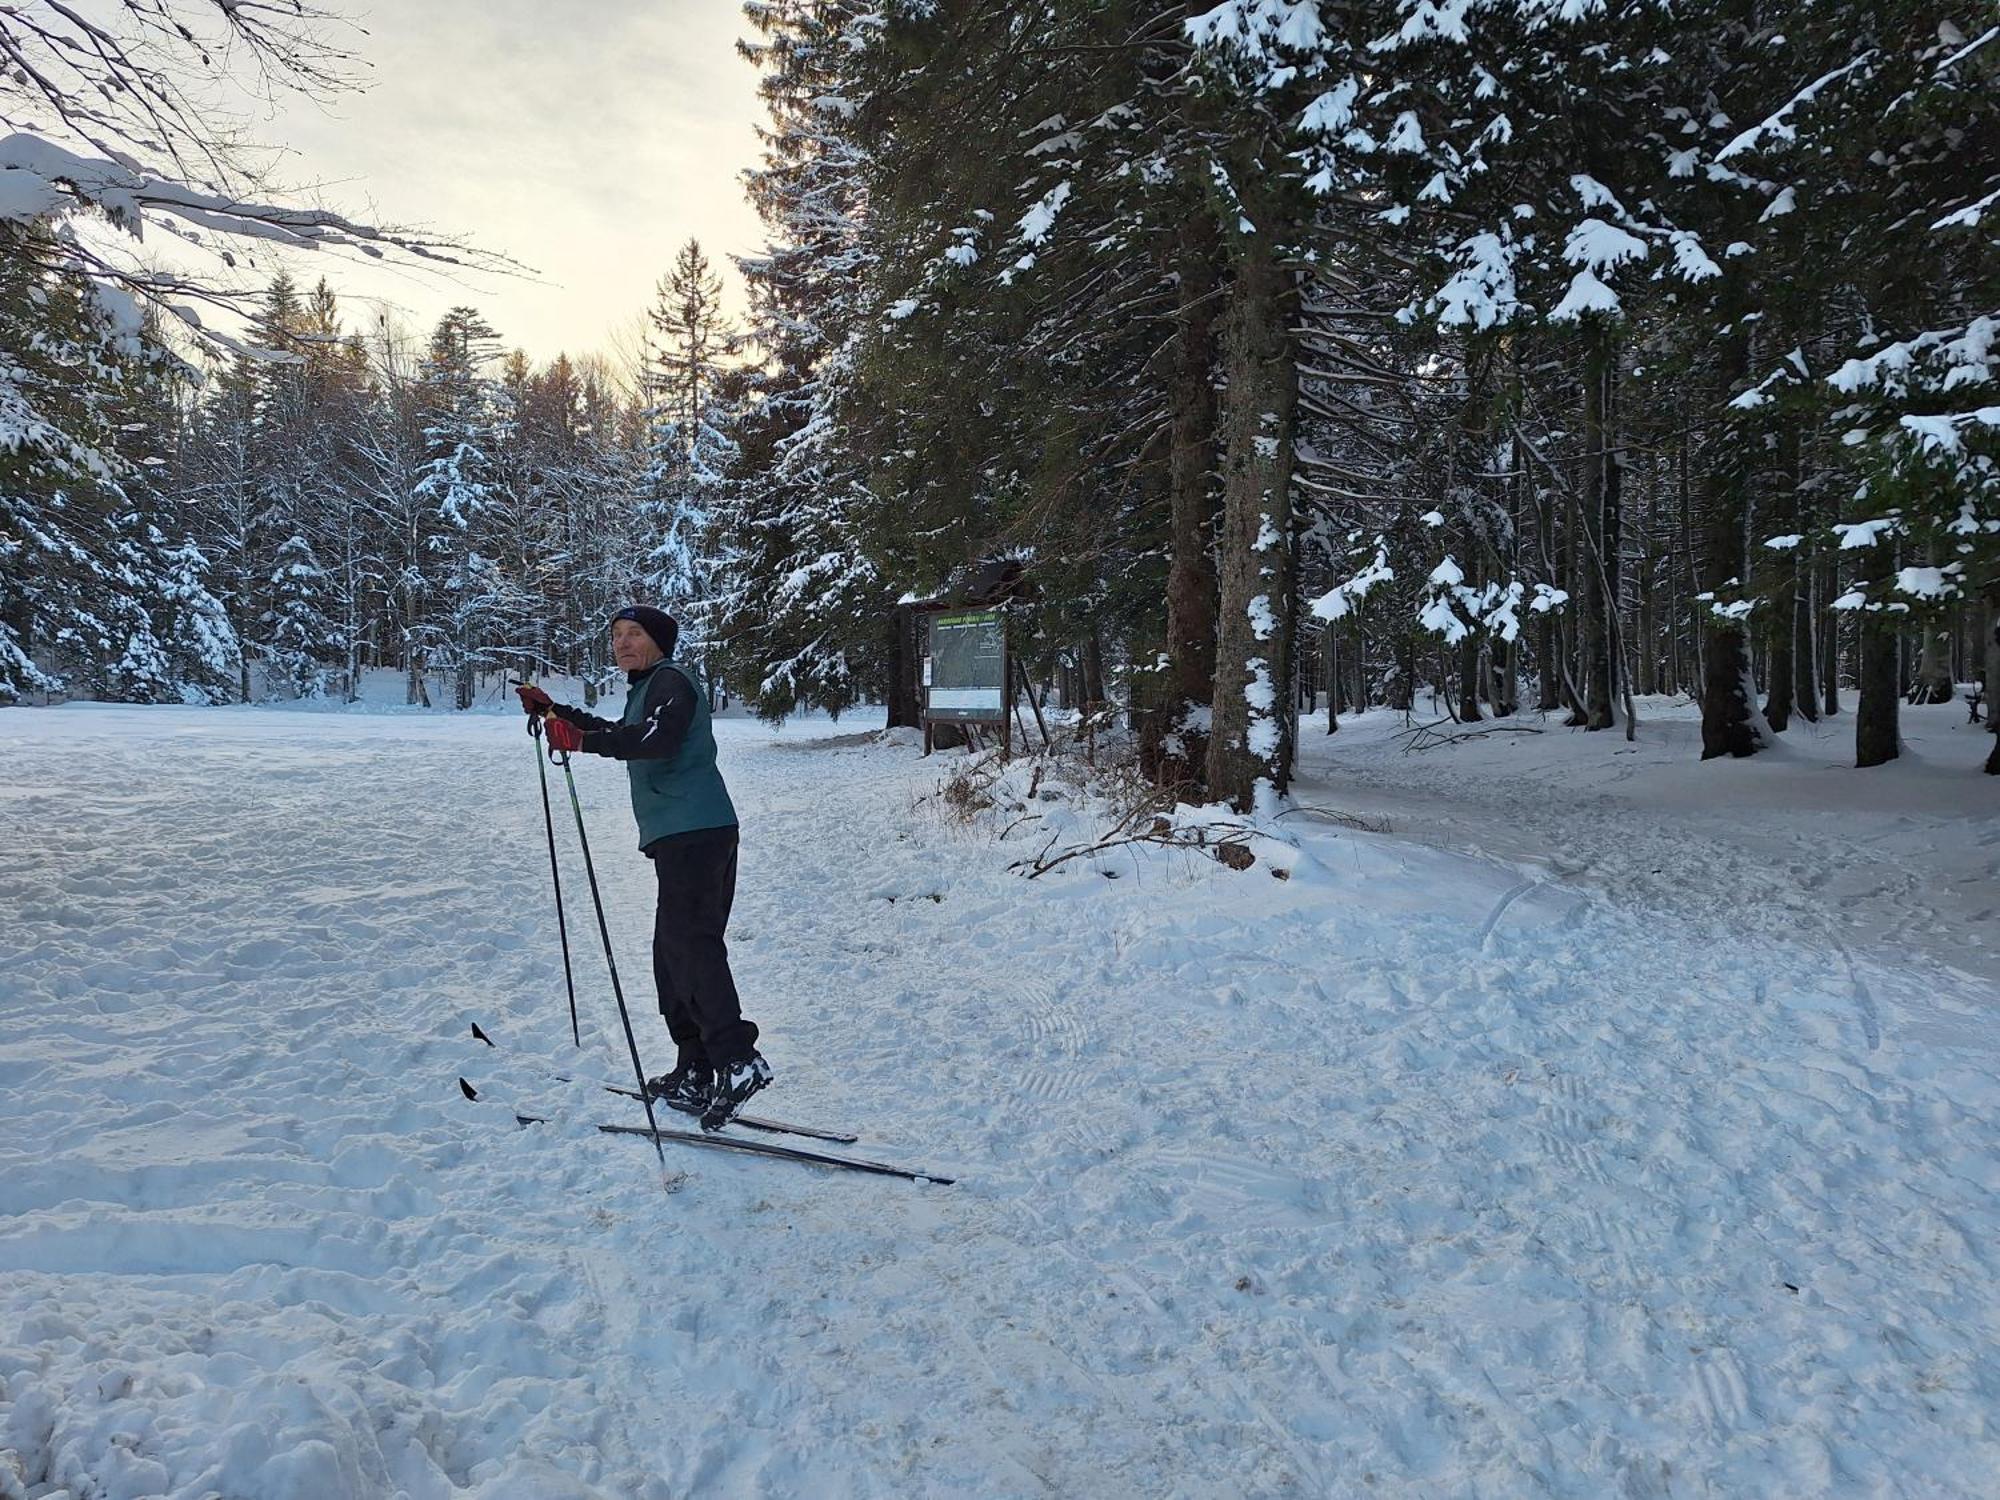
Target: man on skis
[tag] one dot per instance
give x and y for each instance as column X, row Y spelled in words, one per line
column 687, row 827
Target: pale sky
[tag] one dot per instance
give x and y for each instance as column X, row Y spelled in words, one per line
column 586, row 140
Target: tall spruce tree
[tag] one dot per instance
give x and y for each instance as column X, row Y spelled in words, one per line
column 688, row 449
column 800, row 615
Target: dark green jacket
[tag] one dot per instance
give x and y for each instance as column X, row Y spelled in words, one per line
column 667, row 743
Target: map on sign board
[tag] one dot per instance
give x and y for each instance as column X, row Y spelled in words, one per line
column 965, row 665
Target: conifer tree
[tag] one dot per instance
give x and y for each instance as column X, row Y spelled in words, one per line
column 799, row 618
column 688, row 451
column 457, row 482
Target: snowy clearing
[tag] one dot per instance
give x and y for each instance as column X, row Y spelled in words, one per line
column 1642, row 1140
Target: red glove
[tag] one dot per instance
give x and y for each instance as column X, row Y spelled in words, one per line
column 533, row 699
column 561, row 734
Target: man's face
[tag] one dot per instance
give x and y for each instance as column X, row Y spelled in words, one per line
column 632, row 648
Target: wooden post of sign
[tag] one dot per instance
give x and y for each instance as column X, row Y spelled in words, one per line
column 1042, row 724
column 1009, row 705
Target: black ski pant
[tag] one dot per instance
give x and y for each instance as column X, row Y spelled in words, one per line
column 697, row 874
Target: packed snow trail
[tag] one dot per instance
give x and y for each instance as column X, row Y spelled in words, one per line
column 1420, row 1173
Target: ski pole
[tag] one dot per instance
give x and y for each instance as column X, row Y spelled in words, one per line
column 603, row 931
column 562, row 922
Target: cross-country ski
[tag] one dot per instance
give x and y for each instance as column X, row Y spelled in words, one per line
column 742, row 1121
column 737, row 1143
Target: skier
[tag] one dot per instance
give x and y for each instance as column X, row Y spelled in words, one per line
column 687, row 827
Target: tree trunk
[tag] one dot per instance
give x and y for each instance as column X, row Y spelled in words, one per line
column 1687, row 666
column 1933, row 684
column 1992, row 674
column 1252, row 677
column 1330, row 650
column 1173, row 746
column 1877, row 740
column 904, row 698
column 1469, row 685
column 1093, row 668
column 1778, row 699
column 1782, row 623
column 1729, row 694
column 1548, row 694
column 1646, row 659
column 1547, row 698
column 1468, row 680
column 1805, row 641
column 1599, row 557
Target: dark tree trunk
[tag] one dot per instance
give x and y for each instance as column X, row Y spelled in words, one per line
column 1599, row 558
column 1694, row 678
column 1172, row 751
column 1330, row 649
column 1506, row 660
column 1991, row 676
column 1782, row 622
column 1728, row 696
column 1805, row 643
column 1468, row 680
column 1646, row 658
column 1727, row 692
column 1571, row 631
column 1548, row 695
column 1778, row 701
column 1248, row 739
column 904, row 700
column 1877, row 739
column 1093, row 668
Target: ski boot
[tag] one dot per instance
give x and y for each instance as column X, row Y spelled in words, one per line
column 688, row 1089
column 734, row 1085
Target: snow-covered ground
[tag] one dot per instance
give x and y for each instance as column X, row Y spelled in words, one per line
column 1607, row 1124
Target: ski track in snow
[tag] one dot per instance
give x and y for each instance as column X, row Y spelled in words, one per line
column 1552, row 1144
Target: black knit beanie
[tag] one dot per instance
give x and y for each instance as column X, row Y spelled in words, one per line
column 661, row 626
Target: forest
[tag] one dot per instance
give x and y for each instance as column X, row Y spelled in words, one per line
column 1532, row 356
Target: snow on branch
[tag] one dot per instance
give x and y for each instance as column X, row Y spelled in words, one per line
column 1257, row 27
column 1345, row 598
column 1969, row 216
column 1038, row 222
column 1940, row 433
column 1943, row 359
column 1594, row 244
column 1586, row 295
column 1776, row 125
column 1481, row 293
column 38, row 177
column 1452, row 608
